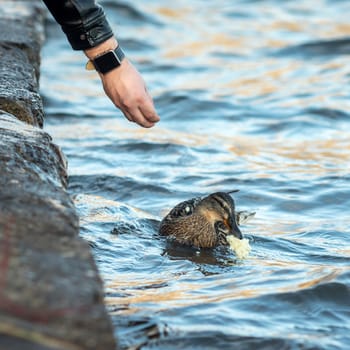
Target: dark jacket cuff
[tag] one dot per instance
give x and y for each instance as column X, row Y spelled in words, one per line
column 86, row 37
column 83, row 21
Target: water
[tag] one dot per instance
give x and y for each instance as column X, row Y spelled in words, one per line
column 253, row 95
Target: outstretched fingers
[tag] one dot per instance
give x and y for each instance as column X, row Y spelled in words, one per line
column 137, row 116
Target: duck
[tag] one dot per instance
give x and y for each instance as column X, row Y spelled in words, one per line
column 203, row 222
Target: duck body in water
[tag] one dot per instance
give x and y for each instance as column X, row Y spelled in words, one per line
column 202, row 222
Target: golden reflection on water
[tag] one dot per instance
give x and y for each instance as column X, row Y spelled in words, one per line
column 192, row 47
column 284, row 25
column 259, row 78
column 173, row 13
column 181, row 294
column 328, row 277
column 335, row 29
column 140, row 293
column 316, row 156
column 320, row 157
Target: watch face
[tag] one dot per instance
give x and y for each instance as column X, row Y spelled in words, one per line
column 106, row 62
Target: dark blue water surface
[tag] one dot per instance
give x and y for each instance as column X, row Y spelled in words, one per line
column 253, row 95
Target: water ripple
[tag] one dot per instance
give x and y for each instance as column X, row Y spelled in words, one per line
column 334, row 47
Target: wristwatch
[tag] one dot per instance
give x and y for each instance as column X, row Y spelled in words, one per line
column 106, row 61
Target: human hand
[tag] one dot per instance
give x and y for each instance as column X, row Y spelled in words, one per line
column 127, row 90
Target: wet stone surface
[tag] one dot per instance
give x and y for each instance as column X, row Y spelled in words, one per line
column 21, row 37
column 18, row 86
column 21, row 24
column 51, row 296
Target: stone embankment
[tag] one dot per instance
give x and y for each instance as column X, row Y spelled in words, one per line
column 51, row 296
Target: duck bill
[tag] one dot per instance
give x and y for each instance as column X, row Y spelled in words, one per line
column 235, row 231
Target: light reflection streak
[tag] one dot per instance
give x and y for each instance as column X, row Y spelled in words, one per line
column 139, row 293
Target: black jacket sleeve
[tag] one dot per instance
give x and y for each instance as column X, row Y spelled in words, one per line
column 83, row 21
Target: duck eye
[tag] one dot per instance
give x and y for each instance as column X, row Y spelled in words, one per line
column 182, row 211
column 188, row 209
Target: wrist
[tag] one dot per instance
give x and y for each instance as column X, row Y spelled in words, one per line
column 100, row 49
column 106, row 61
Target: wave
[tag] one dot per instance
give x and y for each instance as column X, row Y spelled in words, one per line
column 319, row 48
